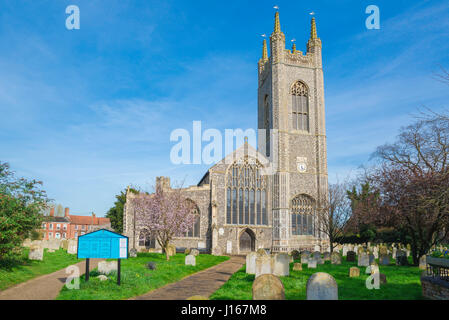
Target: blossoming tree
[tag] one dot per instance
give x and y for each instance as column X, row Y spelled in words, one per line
column 165, row 214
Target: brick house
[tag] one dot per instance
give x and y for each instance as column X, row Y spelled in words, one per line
column 71, row 226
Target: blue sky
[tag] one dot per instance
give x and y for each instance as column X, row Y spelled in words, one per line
column 90, row 111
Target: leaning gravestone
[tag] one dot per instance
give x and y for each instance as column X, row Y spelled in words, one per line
column 354, row 272
column 251, row 263
column 263, row 265
column 363, row 260
column 335, row 258
column 36, row 253
column 281, row 264
column 350, row 256
column 190, row 260
column 268, row 287
column 322, row 286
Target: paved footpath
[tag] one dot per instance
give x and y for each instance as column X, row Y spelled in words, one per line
column 46, row 287
column 202, row 283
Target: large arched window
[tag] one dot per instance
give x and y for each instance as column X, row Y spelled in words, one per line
column 302, row 210
column 194, row 232
column 146, row 240
column 300, row 106
column 246, row 195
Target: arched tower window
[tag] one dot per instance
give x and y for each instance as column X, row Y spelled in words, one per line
column 246, row 194
column 302, row 210
column 194, row 232
column 300, row 106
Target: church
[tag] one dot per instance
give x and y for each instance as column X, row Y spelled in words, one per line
column 265, row 198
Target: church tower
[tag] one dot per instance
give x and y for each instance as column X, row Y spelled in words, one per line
column 291, row 107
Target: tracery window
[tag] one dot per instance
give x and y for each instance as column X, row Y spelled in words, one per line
column 146, row 239
column 302, row 212
column 267, row 125
column 246, row 194
column 300, row 106
column 194, row 232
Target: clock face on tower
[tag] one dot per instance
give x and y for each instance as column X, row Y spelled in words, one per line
column 301, row 164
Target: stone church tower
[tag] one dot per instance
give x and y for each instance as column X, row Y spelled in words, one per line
column 291, row 107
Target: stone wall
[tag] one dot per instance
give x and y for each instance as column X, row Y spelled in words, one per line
column 434, row 288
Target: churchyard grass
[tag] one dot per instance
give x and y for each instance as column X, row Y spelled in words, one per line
column 137, row 279
column 403, row 283
column 22, row 269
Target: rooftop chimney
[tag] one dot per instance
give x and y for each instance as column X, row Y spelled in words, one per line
column 52, row 211
column 66, row 212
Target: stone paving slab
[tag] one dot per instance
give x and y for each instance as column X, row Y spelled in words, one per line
column 46, row 287
column 203, row 283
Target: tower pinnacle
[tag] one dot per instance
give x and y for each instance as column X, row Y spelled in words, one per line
column 264, row 51
column 313, row 33
column 277, row 24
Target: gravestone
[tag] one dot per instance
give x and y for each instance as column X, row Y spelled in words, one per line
column 335, row 258
column 262, row 252
column 36, row 253
column 194, row 252
column 384, row 259
column 327, row 256
column 350, row 257
column 72, row 247
column 281, row 264
column 363, row 260
column 354, row 272
column 263, row 265
column 268, row 287
column 382, row 278
column 151, row 265
column 171, row 250
column 187, row 251
column 311, row 264
column 321, row 286
column 105, row 267
column 423, row 263
column 297, row 266
column 65, row 244
column 401, row 258
column 190, row 260
column 372, row 259
column 102, row 277
column 383, row 250
column 53, row 244
column 316, row 255
column 317, row 248
column 133, row 253
column 251, row 263
column 345, row 251
column 305, row 256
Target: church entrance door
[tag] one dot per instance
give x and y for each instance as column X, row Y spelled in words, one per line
column 247, row 241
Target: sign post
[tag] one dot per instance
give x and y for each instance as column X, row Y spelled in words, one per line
column 103, row 244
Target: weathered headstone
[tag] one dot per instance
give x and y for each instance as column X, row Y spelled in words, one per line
column 105, row 267
column 281, row 264
column 268, row 287
column 354, row 272
column 297, row 266
column 151, row 265
column 65, row 244
column 371, row 258
column 263, row 265
column 311, row 264
column 363, row 260
column 305, row 256
column 194, row 252
column 327, row 256
column 251, row 263
column 423, row 262
column 335, row 258
column 295, row 254
column 171, row 250
column 401, row 258
column 350, row 256
column 190, row 260
column 72, row 247
column 384, row 259
column 133, row 253
column 321, row 286
column 36, row 253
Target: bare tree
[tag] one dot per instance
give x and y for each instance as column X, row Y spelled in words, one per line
column 335, row 215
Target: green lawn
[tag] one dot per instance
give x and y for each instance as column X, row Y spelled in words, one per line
column 403, row 283
column 137, row 279
column 22, row 269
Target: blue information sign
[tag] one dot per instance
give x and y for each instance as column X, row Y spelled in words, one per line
column 103, row 244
